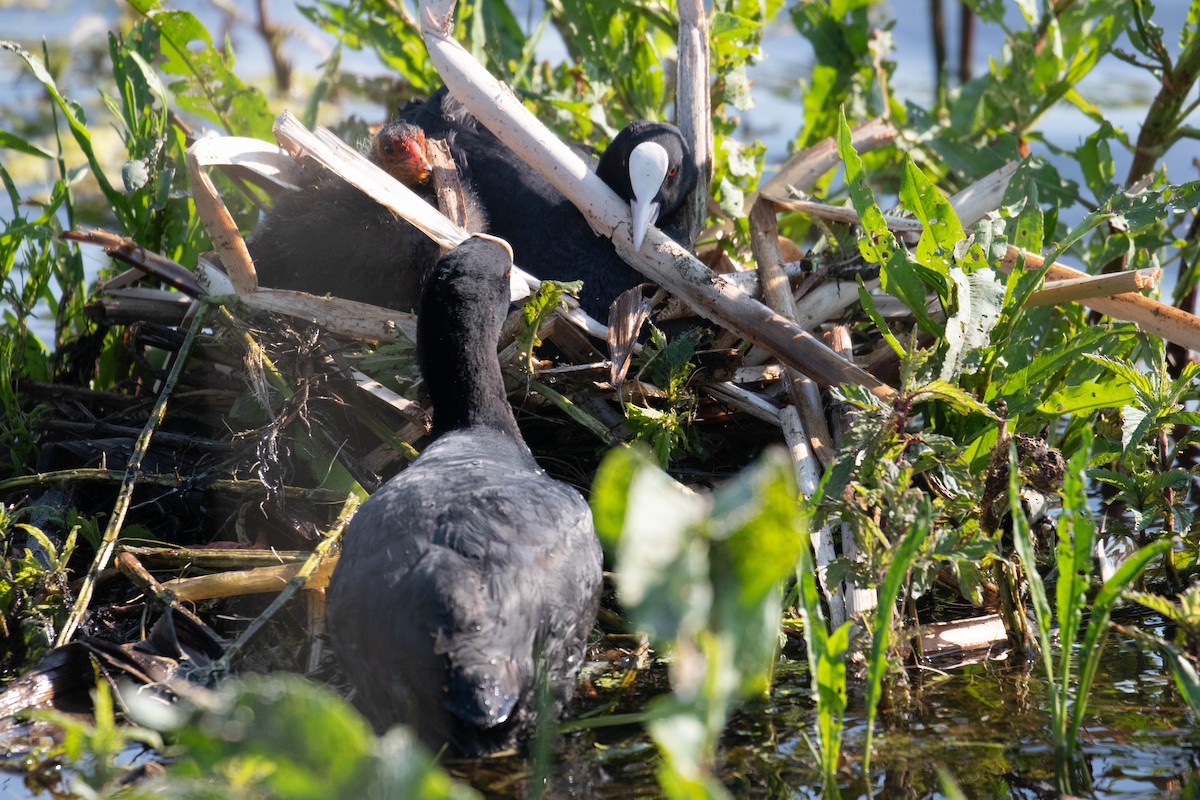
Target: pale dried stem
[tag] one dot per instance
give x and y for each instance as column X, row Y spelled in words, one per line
column 777, row 294
column 1055, row 293
column 693, row 104
column 803, row 169
column 857, row 600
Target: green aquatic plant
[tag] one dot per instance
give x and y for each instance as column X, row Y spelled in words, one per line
column 701, row 576
column 1073, row 558
column 827, row 672
column 668, row 365
column 1182, row 653
column 285, row 737
column 1145, row 469
column 93, row 748
column 34, row 598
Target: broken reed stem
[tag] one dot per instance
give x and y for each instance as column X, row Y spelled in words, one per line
column 1160, row 319
column 147, row 262
column 171, row 481
column 1078, row 290
column 323, row 549
column 214, row 558
column 133, row 469
column 254, row 580
column 777, row 294
column 132, row 569
column 802, row 170
column 694, row 112
column 856, row 600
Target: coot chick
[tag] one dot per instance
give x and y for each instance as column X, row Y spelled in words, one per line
column 472, row 567
column 328, row 237
column 646, row 164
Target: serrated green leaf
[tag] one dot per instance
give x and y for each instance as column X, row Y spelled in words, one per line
column 952, row 395
column 942, row 231
column 207, row 84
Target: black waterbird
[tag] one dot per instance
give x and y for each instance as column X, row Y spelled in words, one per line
column 647, row 164
column 327, row 237
column 472, row 570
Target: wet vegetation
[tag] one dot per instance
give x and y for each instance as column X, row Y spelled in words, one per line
column 789, row 559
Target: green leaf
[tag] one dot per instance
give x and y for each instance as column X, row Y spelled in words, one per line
column 1087, row 396
column 1076, row 539
column 942, row 231
column 952, row 395
column 1182, row 668
column 77, row 122
column 756, row 524
column 10, row 141
column 1101, row 609
column 660, row 563
column 899, row 275
column 1023, row 544
column 868, row 305
column 826, row 665
column 979, row 298
column 208, row 86
column 540, row 306
column 889, row 596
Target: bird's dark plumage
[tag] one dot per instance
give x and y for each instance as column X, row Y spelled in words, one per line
column 549, row 236
column 471, row 567
column 328, row 237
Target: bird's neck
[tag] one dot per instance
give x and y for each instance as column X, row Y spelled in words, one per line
column 466, row 385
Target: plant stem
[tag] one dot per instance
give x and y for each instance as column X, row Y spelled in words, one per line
column 133, row 471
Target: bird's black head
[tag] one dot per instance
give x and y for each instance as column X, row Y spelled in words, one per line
column 649, row 165
column 471, row 282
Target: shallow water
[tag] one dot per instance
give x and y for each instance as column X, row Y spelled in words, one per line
column 986, row 725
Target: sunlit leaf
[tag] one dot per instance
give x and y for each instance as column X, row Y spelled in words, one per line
column 1087, row 396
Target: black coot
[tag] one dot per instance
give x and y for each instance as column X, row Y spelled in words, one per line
column 472, row 566
column 647, row 164
column 328, row 237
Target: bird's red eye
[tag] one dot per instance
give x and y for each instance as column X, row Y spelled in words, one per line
column 673, row 172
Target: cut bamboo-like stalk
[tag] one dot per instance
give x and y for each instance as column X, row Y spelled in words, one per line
column 338, row 316
column 743, row 400
column 777, row 294
column 1070, row 290
column 661, row 259
column 213, row 558
column 256, row 580
column 808, row 477
column 1160, row 319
